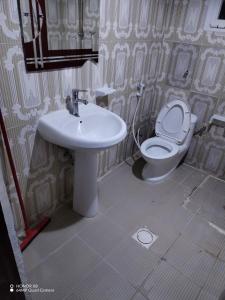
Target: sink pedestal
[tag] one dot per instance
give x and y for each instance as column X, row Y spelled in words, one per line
column 85, row 196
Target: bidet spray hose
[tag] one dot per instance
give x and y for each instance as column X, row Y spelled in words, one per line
column 139, row 94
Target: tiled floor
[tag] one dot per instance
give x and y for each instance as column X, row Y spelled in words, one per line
column 93, row 259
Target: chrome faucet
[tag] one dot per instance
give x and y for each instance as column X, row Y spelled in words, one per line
column 73, row 104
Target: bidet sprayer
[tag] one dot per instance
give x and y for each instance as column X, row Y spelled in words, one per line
column 140, row 89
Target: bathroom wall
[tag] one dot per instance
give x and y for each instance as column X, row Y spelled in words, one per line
column 130, row 42
column 202, row 53
column 63, row 24
column 128, row 29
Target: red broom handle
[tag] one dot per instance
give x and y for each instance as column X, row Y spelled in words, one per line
column 13, row 169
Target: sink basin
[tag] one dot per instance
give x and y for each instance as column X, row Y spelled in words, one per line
column 95, row 129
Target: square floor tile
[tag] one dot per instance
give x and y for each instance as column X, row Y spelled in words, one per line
column 170, row 193
column 102, row 234
column 178, row 194
column 64, row 269
column 103, row 283
column 215, row 284
column 181, row 173
column 197, row 199
column 64, row 224
column 168, row 283
column 118, row 186
column 215, row 184
column 139, row 296
column 172, row 218
column 205, row 236
column 195, row 179
column 208, row 204
column 133, row 261
column 191, row 260
column 213, row 209
column 206, row 296
column 164, row 192
column 222, row 254
column 129, row 215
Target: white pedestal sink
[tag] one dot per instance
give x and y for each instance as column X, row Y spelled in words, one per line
column 95, row 129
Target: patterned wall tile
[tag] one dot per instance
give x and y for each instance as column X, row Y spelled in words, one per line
column 9, row 23
column 190, row 21
column 103, row 66
column 119, row 66
column 144, row 13
column 209, row 76
column 105, row 19
column 170, row 94
column 136, row 69
column 193, row 156
column 24, row 95
column 214, row 39
column 203, row 107
column 157, row 62
column 164, row 19
column 146, row 109
column 123, row 20
column 156, row 102
column 41, row 196
column 130, row 108
column 213, row 158
column 219, row 132
column 182, row 66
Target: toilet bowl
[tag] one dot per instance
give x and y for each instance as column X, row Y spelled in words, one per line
column 174, row 129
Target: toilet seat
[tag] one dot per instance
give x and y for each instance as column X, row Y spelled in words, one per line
column 173, row 121
column 158, row 148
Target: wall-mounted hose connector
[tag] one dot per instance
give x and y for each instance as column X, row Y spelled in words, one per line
column 186, row 74
column 201, row 131
column 140, row 89
column 215, row 120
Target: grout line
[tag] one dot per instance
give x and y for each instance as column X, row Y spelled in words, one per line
column 85, row 277
column 53, row 252
column 44, row 259
column 217, row 178
column 139, row 291
column 117, row 271
column 208, row 277
column 195, row 168
column 199, row 293
column 161, row 259
column 90, row 247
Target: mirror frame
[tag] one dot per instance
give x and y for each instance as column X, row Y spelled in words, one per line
column 46, row 59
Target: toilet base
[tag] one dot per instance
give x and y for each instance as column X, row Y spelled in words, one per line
column 147, row 174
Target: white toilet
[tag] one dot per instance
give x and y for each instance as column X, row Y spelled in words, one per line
column 174, row 129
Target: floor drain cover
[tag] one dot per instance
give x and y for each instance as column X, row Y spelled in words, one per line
column 145, row 237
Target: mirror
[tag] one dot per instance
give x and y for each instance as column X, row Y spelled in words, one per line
column 59, row 33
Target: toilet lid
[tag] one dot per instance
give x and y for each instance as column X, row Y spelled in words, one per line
column 173, row 121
